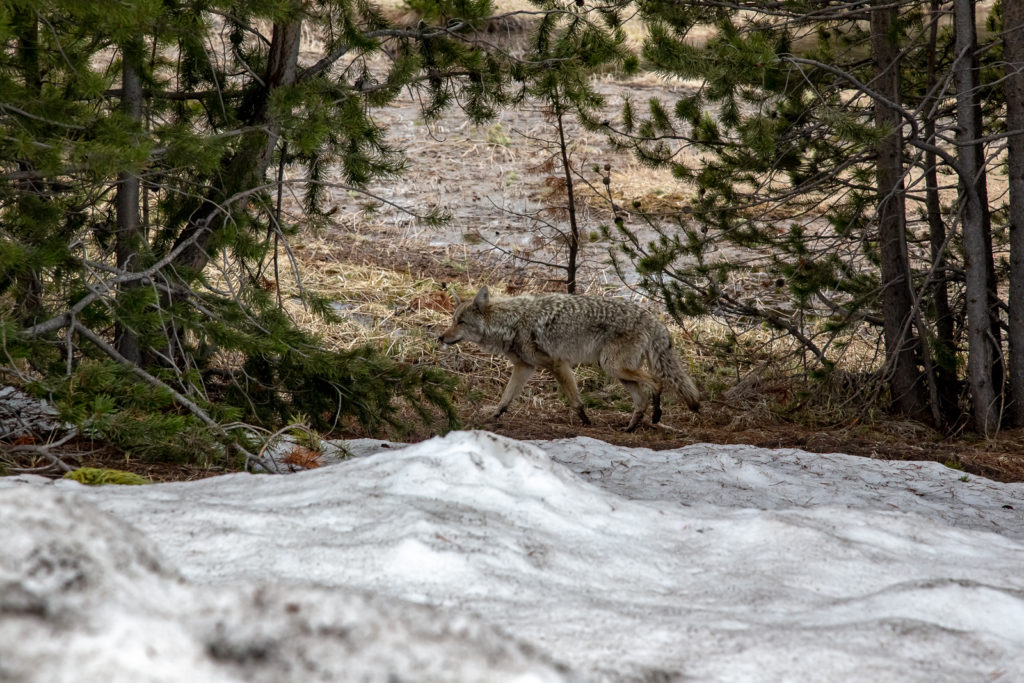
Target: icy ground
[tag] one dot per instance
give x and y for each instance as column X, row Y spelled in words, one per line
column 478, row 558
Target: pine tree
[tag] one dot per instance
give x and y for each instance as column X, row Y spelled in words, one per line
column 1012, row 25
column 836, row 111
column 135, row 156
column 566, row 51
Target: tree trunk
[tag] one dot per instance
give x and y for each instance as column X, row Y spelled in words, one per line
column 897, row 296
column 984, row 355
column 573, row 242
column 944, row 348
column 1013, row 55
column 129, row 237
column 25, row 23
column 247, row 167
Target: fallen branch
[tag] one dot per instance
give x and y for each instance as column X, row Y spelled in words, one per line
column 44, row 450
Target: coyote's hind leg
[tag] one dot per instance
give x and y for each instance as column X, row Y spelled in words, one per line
column 635, row 382
column 636, row 392
column 622, row 361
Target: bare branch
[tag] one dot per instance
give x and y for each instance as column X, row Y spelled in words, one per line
column 45, row 450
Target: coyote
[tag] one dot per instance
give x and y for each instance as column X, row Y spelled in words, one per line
column 557, row 331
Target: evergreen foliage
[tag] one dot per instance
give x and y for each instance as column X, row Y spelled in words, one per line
column 138, row 223
column 106, row 403
column 792, row 119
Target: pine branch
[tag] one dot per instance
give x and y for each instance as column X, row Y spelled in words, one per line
column 226, row 440
column 176, row 96
column 67, row 318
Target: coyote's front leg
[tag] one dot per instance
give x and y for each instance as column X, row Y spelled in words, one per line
column 520, row 375
column 563, row 373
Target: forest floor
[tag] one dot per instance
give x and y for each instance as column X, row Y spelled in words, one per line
column 751, row 396
column 390, row 274
column 506, row 201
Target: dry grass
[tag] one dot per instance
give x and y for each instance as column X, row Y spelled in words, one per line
column 756, row 387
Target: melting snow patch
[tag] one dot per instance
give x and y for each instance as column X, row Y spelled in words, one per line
column 720, row 563
column 84, row 598
column 22, row 415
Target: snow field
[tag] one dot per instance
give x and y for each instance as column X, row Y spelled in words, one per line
column 572, row 560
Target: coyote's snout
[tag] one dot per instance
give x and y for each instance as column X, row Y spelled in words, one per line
column 558, row 331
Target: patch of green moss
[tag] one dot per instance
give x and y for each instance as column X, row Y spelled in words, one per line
column 98, row 476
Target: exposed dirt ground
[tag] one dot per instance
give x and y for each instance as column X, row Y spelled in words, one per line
column 545, row 417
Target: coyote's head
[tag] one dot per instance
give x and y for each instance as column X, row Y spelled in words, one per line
column 468, row 319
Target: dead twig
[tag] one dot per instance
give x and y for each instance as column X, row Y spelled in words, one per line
column 45, row 450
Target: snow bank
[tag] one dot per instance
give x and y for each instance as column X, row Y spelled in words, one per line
column 721, row 563
column 85, row 599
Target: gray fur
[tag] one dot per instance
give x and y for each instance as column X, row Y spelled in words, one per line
column 557, row 331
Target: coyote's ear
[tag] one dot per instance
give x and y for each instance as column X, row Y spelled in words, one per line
column 482, row 299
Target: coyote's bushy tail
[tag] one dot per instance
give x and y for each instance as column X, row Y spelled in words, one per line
column 666, row 367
